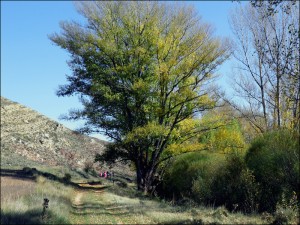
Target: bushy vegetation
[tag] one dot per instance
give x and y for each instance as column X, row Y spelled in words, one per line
column 266, row 178
column 233, row 185
column 274, row 160
column 179, row 178
column 213, row 179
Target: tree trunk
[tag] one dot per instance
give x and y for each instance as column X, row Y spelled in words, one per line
column 278, row 102
column 139, row 176
column 262, row 91
column 145, row 178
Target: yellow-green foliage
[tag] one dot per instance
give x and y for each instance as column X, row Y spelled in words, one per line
column 151, row 130
column 143, row 67
column 225, row 135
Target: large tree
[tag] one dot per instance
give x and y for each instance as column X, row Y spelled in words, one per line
column 142, row 71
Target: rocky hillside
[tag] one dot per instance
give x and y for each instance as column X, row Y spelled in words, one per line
column 29, row 138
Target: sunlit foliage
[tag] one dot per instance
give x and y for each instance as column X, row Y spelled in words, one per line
column 142, row 71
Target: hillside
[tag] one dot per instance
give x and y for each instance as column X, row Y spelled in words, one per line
column 29, row 138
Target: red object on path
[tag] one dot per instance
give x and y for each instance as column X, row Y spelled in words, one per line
column 105, row 174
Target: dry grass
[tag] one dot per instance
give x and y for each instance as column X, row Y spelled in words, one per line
column 111, row 208
column 21, row 201
column 12, row 189
column 113, row 205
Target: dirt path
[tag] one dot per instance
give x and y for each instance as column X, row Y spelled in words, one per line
column 79, row 194
column 77, row 200
column 89, row 206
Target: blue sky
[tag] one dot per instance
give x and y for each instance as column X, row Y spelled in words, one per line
column 32, row 67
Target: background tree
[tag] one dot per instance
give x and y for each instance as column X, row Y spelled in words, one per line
column 228, row 136
column 141, row 70
column 273, row 5
column 268, row 56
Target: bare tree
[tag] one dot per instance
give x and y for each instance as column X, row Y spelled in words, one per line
column 267, row 46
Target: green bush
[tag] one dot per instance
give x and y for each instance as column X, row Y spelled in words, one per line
column 67, row 177
column 234, row 186
column 179, row 178
column 274, row 160
column 201, row 188
column 213, row 180
column 252, row 183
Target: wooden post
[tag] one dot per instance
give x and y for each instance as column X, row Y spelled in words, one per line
column 45, row 206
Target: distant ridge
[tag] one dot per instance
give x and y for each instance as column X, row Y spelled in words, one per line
column 30, row 138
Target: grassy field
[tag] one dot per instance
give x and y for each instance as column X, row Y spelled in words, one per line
column 95, row 201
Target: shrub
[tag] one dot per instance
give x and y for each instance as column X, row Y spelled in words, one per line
column 201, row 188
column 287, row 211
column 254, row 183
column 209, row 179
column 274, row 160
column 67, row 177
column 88, row 166
column 122, row 184
column 280, row 219
column 94, row 173
column 178, row 179
column 232, row 185
column 27, row 171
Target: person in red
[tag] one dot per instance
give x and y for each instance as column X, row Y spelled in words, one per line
column 104, row 174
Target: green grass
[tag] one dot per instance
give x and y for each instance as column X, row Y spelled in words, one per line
column 26, row 208
column 107, row 203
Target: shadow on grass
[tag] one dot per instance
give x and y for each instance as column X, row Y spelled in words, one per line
column 82, row 174
column 32, row 173
column 101, row 208
column 122, row 176
column 81, row 213
column 30, row 217
column 200, row 222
